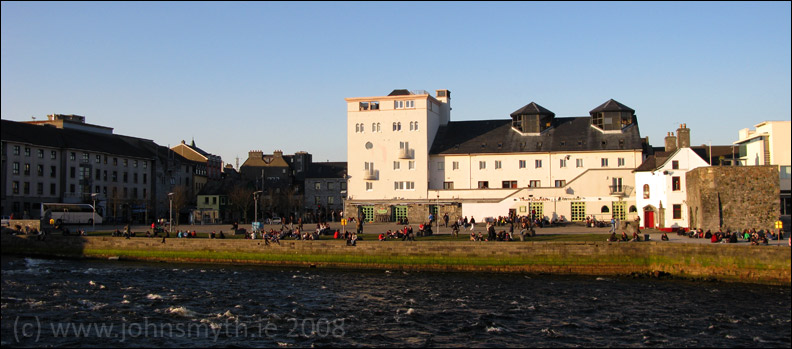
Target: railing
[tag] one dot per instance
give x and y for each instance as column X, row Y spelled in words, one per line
column 405, row 153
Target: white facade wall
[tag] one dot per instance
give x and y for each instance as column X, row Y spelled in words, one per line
column 385, row 149
column 661, row 190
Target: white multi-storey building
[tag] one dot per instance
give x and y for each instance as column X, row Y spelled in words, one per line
column 407, row 159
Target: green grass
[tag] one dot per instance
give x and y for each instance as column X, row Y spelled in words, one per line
column 537, row 238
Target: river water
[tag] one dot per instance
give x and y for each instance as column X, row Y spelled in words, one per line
column 49, row 302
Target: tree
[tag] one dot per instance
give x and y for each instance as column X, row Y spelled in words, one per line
column 179, row 198
column 241, row 198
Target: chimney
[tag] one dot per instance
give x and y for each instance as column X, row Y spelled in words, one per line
column 444, row 97
column 683, row 136
column 670, row 142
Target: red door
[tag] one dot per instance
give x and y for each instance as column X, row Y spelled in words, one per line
column 649, row 219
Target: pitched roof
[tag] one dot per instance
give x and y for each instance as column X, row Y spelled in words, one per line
column 497, row 136
column 401, row 92
column 611, row 105
column 51, row 136
column 532, row 108
column 326, row 170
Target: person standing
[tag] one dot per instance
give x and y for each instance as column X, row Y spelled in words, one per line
column 472, row 223
column 445, row 219
column 359, row 226
column 613, row 224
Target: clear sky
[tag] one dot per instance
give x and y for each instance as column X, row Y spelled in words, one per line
column 264, row 76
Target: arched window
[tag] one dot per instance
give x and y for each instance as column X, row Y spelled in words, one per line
column 411, row 125
column 416, row 125
column 604, row 209
column 633, row 209
column 357, row 128
column 394, row 126
column 398, row 126
column 378, row 127
column 373, row 127
column 646, row 191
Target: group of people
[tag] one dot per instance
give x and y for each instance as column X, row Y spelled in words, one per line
column 755, row 237
column 624, row 237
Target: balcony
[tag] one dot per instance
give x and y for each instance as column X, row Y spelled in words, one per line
column 406, row 153
column 620, row 190
column 370, row 175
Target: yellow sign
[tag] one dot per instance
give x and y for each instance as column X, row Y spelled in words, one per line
column 343, row 221
column 779, row 224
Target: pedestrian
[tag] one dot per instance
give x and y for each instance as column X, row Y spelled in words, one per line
column 472, row 223
column 445, row 220
column 613, row 224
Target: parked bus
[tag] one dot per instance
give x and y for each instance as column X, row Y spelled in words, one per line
column 70, row 213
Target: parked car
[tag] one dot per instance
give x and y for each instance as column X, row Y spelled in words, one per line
column 275, row 220
column 6, row 221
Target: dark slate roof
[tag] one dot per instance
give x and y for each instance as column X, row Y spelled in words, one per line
column 497, row 136
column 401, row 92
column 532, row 109
column 223, row 187
column 611, row 105
column 326, row 170
column 70, row 139
column 652, row 162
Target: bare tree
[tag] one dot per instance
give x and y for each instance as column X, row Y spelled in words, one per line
column 241, row 198
column 180, row 194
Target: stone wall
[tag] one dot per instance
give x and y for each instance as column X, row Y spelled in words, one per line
column 725, row 262
column 733, row 197
column 417, row 213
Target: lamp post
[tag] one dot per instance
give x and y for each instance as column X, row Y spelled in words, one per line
column 437, row 215
column 255, row 207
column 170, row 213
column 93, row 214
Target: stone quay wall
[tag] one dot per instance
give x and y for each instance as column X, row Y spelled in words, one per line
column 722, row 262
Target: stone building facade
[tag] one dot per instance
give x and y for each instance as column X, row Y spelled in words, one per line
column 733, row 197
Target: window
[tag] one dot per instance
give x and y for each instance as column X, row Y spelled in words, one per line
column 115, row 176
column 646, row 191
column 26, row 187
column 40, row 153
column 115, row 161
column 317, row 200
column 145, row 165
column 538, row 163
column 616, row 186
column 398, row 104
column 374, row 105
column 134, row 178
column 440, row 165
column 604, row 162
column 560, row 183
column 145, row 178
column 411, row 165
column 509, row 184
column 482, row 165
column 676, row 183
column 677, row 211
column 27, row 151
column 135, row 163
column 53, row 171
column 562, row 163
column 373, row 127
column 72, row 172
column 498, row 164
column 534, row 184
column 522, row 163
column 404, row 185
column 40, row 170
column 483, row 184
column 16, row 149
column 52, row 188
column 86, row 158
column 448, row 185
column 455, row 165
column 206, row 200
column 27, row 169
column 330, row 186
column 412, row 124
column 397, row 126
column 72, row 156
column 53, row 155
column 604, row 209
column 15, row 168
column 578, row 163
column 416, row 126
column 621, row 162
column 330, row 200
column 578, row 209
column 126, row 177
column 126, row 162
column 343, row 185
column 396, row 165
column 378, row 127
column 369, row 186
column 15, row 187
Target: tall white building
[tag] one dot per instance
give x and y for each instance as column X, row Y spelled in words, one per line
column 407, row 159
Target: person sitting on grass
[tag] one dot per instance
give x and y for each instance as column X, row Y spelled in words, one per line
column 613, row 238
column 472, row 236
column 623, row 236
column 664, row 237
column 636, row 237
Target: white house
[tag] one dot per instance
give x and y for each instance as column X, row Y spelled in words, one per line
column 660, row 183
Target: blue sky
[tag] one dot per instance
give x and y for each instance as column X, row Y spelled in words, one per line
column 242, row 76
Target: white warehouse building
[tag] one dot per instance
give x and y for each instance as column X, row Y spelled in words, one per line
column 406, row 158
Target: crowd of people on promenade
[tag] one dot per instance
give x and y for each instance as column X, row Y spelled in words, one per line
column 753, row 236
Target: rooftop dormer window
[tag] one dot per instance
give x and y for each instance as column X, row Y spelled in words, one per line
column 532, row 118
column 612, row 116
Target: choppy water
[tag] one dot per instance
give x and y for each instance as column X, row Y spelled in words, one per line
column 99, row 304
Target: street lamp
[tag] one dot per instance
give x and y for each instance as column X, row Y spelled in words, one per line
column 93, row 214
column 170, row 213
column 437, row 215
column 255, row 208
